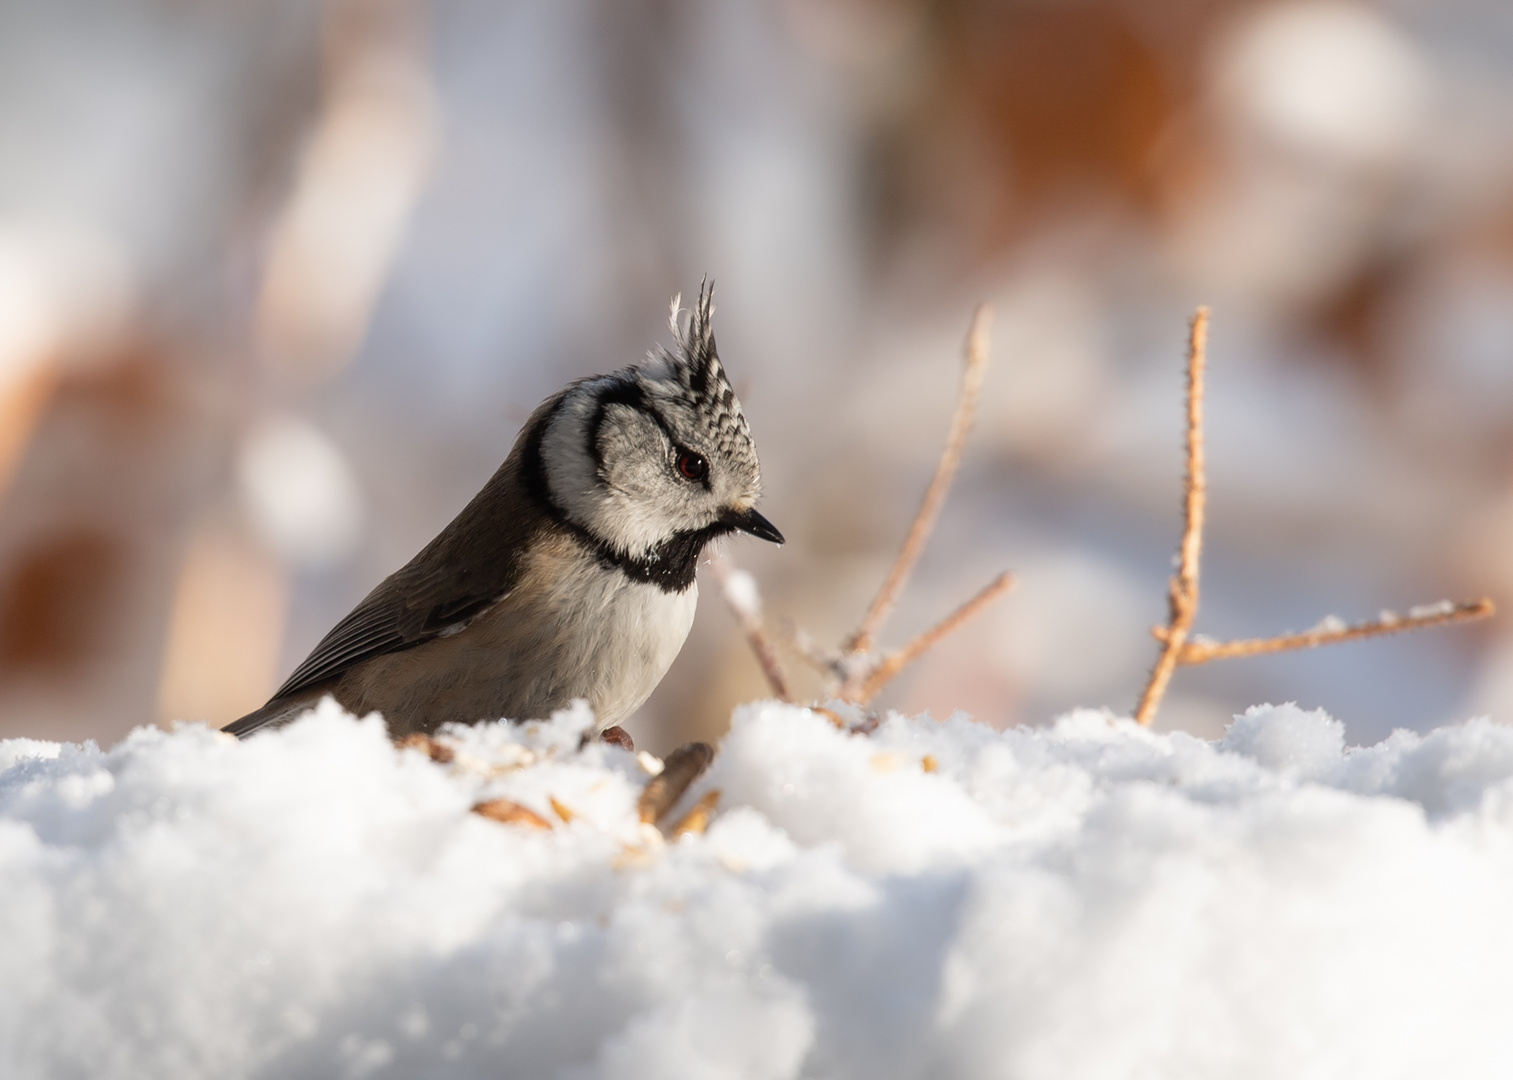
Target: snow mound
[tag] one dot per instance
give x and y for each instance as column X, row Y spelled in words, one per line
column 935, row 900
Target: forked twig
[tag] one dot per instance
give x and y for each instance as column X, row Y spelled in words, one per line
column 894, row 662
column 825, row 661
column 1177, row 646
column 935, row 495
column 855, row 671
column 1183, row 593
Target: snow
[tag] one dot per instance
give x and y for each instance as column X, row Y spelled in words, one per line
column 937, row 899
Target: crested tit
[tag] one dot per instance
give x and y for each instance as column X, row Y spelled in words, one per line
column 571, row 574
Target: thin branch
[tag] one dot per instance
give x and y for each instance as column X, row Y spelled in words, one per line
column 1200, row 651
column 744, row 601
column 697, row 819
column 935, row 494
column 679, row 770
column 809, row 650
column 855, row 672
column 890, row 665
column 1183, row 594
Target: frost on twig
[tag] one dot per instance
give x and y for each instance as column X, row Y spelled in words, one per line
column 1178, row 645
column 1332, row 630
column 857, row 671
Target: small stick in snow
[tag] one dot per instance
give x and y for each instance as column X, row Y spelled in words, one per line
column 935, row 495
column 508, row 812
column 681, row 768
column 697, row 820
column 894, row 662
column 1183, row 592
column 744, row 601
column 1201, row 651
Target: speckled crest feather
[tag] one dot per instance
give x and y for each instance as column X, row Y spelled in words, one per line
column 695, row 364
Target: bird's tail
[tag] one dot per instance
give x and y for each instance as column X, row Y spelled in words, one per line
column 276, row 713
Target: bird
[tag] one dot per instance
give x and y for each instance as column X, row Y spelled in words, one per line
column 571, row 574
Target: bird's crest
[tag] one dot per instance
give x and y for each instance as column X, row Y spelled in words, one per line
column 695, row 364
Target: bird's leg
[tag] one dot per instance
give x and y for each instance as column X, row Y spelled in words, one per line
column 618, row 736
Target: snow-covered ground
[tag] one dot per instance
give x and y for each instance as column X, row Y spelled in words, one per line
column 932, row 900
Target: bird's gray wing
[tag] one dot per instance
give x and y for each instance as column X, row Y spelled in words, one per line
column 397, row 615
column 471, row 565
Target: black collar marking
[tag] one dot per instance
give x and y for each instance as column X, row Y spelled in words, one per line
column 671, row 566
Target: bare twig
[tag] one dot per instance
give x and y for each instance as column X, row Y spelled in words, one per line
column 1183, row 594
column 809, row 650
column 890, row 665
column 1178, row 647
column 1200, row 651
column 741, row 596
column 935, row 495
column 682, row 767
column 856, row 673
column 696, row 820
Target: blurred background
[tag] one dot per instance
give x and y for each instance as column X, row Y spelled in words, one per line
column 279, row 281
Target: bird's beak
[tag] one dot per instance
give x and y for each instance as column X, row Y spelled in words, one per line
column 749, row 521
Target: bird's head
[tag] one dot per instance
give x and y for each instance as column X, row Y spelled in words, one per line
column 659, row 453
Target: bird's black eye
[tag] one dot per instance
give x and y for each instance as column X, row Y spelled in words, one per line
column 692, row 466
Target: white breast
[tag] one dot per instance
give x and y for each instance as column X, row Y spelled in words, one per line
column 615, row 638
column 570, row 628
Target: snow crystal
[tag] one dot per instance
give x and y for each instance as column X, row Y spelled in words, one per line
column 937, row 899
column 1329, row 624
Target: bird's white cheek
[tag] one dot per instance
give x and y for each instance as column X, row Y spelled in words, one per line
column 630, row 524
